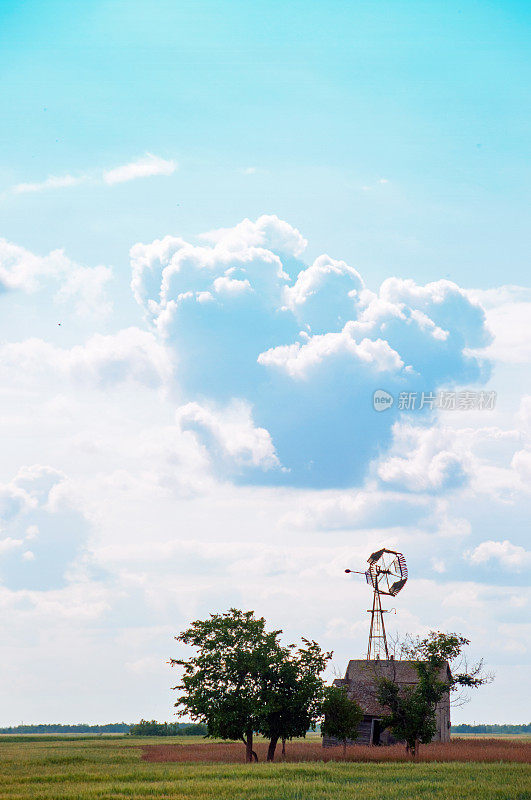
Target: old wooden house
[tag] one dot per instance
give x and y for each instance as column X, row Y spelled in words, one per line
column 359, row 681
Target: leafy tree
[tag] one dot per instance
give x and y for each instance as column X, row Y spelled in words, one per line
column 293, row 692
column 342, row 716
column 222, row 684
column 412, row 709
column 243, row 681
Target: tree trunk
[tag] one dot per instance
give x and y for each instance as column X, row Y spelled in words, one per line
column 412, row 748
column 283, row 748
column 250, row 755
column 272, row 747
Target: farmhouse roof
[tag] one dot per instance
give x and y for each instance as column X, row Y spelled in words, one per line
column 361, row 675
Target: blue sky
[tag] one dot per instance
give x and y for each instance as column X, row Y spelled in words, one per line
column 223, row 226
column 322, row 99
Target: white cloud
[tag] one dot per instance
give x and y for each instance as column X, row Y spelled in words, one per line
column 301, row 360
column 268, row 232
column 521, row 463
column 324, row 295
column 8, row 544
column 432, row 460
column 248, row 319
column 365, row 508
column 144, row 167
column 508, row 313
column 38, row 480
column 83, row 287
column 508, row 555
column 21, row 269
column 227, row 285
column 231, row 432
column 524, row 412
column 30, row 489
column 53, row 182
column 131, row 354
column 13, row 500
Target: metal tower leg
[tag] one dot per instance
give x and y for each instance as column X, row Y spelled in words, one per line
column 377, row 638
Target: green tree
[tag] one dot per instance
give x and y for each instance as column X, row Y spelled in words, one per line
column 222, row 684
column 293, row 692
column 342, row 716
column 411, row 710
column 242, row 681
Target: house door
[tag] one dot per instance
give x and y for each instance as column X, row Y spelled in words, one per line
column 376, row 729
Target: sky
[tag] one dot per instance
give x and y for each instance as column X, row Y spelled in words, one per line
column 224, row 227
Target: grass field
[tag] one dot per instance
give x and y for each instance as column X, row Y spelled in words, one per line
column 60, row 768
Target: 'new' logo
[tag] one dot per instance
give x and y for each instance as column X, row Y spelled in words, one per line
column 382, row 400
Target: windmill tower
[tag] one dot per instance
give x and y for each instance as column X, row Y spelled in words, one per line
column 387, row 574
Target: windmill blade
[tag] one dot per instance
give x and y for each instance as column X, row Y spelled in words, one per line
column 397, row 585
column 375, row 556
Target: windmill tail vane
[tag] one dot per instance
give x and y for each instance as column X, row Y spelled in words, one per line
column 387, row 574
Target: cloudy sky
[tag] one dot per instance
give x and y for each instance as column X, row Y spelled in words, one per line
column 224, row 227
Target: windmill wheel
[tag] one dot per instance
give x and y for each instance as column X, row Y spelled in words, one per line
column 387, row 571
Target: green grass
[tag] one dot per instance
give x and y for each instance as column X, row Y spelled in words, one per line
column 81, row 769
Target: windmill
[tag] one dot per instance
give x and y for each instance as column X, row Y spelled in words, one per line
column 387, row 574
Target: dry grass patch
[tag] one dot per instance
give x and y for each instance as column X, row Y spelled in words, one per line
column 465, row 750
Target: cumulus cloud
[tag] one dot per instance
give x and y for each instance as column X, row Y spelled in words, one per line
column 230, row 433
column 37, row 481
column 521, row 463
column 365, row 508
column 85, row 288
column 430, row 460
column 267, row 231
column 324, row 295
column 300, row 360
column 31, row 556
column 524, row 412
column 508, row 315
column 82, row 287
column 141, row 168
column 30, row 488
column 13, row 500
column 508, row 555
column 129, row 355
column 303, row 345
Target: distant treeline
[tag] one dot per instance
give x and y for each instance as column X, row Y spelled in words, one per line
column 113, row 727
column 491, row 728
column 153, row 728
column 143, row 728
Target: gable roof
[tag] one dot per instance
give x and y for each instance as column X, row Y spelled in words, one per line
column 361, row 675
column 402, row 672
